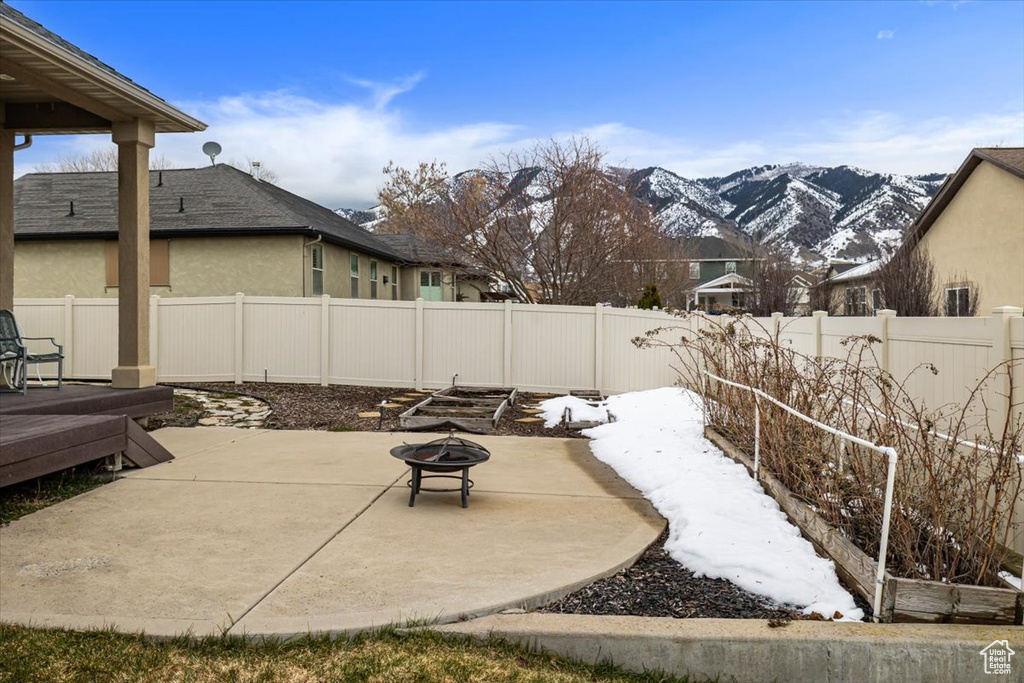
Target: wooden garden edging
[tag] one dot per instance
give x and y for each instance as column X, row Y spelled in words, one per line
column 903, row 600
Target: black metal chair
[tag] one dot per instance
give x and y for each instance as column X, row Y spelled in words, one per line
column 15, row 354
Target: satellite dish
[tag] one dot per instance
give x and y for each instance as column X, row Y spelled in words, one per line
column 211, row 149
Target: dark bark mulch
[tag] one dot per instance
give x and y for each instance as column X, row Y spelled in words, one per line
column 336, row 408
column 658, row 586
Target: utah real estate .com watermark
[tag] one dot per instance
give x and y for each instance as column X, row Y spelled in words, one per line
column 997, row 657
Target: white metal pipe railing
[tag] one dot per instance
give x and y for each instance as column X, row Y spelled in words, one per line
column 890, row 478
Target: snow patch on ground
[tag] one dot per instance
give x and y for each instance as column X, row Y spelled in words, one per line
column 721, row 523
column 1014, row 580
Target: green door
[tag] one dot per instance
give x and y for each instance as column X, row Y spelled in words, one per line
column 430, row 285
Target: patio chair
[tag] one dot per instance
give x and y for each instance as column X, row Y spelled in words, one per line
column 15, row 355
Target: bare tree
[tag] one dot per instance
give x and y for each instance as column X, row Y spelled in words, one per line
column 257, row 169
column 550, row 223
column 771, row 289
column 823, row 296
column 99, row 159
column 907, row 282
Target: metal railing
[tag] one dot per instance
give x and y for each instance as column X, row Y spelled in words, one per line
column 888, row 451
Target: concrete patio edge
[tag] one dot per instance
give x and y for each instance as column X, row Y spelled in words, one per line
column 753, row 652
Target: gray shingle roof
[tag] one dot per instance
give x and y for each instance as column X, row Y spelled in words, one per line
column 217, row 200
column 417, row 250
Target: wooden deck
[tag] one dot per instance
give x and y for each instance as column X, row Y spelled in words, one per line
column 48, row 430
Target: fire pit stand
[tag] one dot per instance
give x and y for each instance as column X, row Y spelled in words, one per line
column 444, row 457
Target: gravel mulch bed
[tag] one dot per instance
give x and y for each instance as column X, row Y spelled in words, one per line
column 336, row 408
column 658, row 586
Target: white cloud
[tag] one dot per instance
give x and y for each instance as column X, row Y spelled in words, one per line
column 886, row 34
column 334, row 153
column 383, row 93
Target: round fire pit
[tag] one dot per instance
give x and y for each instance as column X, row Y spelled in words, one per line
column 444, row 457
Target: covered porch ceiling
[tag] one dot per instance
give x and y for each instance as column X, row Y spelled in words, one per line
column 51, row 86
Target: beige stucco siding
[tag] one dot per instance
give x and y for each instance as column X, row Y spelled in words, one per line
column 199, row 266
column 979, row 237
column 338, row 277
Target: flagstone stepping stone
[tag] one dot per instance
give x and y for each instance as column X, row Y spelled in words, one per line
column 392, row 405
column 532, row 411
column 530, row 419
column 369, row 414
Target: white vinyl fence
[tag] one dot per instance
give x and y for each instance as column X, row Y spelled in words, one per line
column 375, row 343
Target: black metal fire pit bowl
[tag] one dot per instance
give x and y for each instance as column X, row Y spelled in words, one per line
column 443, row 457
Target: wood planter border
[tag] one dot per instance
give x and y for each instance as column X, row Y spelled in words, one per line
column 478, row 414
column 903, row 600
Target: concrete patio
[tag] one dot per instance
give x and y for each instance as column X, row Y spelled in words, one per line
column 280, row 533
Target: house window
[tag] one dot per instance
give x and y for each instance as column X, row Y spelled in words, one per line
column 856, row 301
column 373, row 279
column 394, row 283
column 695, row 270
column 876, row 299
column 159, row 263
column 318, row 269
column 730, row 266
column 958, row 301
column 353, row 267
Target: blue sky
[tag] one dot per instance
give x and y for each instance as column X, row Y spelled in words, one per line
column 326, row 93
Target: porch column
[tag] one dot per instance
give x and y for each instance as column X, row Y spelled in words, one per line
column 134, row 139
column 6, row 218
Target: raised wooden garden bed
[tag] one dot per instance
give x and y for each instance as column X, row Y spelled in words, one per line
column 471, row 409
column 593, row 398
column 903, row 600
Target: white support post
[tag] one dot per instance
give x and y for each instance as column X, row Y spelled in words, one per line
column 239, row 333
column 506, row 371
column 325, row 339
column 777, row 328
column 419, row 344
column 884, row 315
column 883, row 546
column 69, row 336
column 598, row 347
column 154, row 333
column 818, row 319
column 1001, row 353
column 757, row 440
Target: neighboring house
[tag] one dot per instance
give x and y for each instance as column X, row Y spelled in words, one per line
column 725, row 294
column 214, row 231
column 435, row 274
column 717, row 272
column 973, row 230
column 853, row 287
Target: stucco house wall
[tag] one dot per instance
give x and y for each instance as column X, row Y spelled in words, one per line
column 979, row 238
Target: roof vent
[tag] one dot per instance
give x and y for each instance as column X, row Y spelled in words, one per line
column 71, row 213
column 181, row 205
column 160, row 179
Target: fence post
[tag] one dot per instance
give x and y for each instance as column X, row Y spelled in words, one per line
column 884, row 315
column 239, row 332
column 419, row 344
column 757, row 439
column 598, row 347
column 1002, row 353
column 506, row 368
column 325, row 338
column 69, row 336
column 818, row 316
column 776, row 328
column 154, row 333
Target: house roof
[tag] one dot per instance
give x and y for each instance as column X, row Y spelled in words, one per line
column 1009, row 159
column 728, row 278
column 217, row 200
column 710, row 249
column 858, row 272
column 45, row 68
column 417, row 250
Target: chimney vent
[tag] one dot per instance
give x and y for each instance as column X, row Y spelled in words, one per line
column 160, row 179
column 71, row 213
column 181, row 205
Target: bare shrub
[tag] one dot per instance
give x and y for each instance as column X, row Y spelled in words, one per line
column 771, row 290
column 907, row 282
column 953, row 500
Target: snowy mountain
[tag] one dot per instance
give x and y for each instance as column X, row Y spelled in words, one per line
column 810, row 212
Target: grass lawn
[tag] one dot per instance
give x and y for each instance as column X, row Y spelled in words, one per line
column 53, row 656
column 25, row 498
